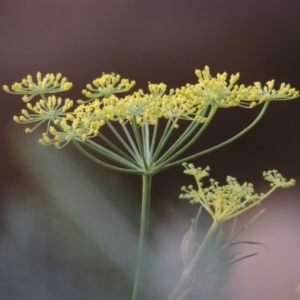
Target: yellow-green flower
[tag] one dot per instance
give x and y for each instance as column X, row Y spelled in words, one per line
column 230, row 200
column 189, row 103
column 227, row 94
column 50, row 111
column 77, row 130
column 75, row 126
column 48, row 85
column 107, row 85
column 196, row 103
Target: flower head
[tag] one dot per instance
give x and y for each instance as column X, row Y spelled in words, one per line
column 106, row 86
column 276, row 179
column 227, row 93
column 48, row 85
column 227, row 201
column 147, row 108
column 76, row 130
column 84, row 123
column 48, row 111
column 196, row 103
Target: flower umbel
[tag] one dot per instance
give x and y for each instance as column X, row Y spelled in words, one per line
column 48, row 111
column 139, row 147
column 48, row 85
column 138, row 114
column 230, row 200
column 107, row 85
column 226, row 94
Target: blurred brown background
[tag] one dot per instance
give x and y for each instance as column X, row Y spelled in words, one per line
column 69, row 227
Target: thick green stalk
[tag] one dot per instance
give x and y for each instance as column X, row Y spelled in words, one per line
column 140, row 268
column 182, row 285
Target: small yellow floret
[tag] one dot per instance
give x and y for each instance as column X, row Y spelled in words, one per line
column 5, row 88
column 52, row 130
column 39, row 76
column 25, row 98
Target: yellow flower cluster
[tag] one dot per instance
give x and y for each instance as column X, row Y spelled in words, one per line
column 276, row 179
column 106, row 85
column 48, row 85
column 81, row 124
column 227, row 201
column 226, row 94
column 191, row 102
column 50, row 110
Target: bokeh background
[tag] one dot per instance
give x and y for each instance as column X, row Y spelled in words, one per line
column 69, row 228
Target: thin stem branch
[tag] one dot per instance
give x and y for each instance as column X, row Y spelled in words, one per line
column 117, row 149
column 145, row 139
column 115, row 132
column 195, row 138
column 139, row 141
column 136, row 151
column 109, row 154
column 165, row 136
column 84, row 152
column 154, row 134
column 184, row 136
column 221, row 144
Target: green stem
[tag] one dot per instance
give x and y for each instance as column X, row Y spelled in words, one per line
column 166, row 159
column 154, row 134
column 186, row 159
column 94, row 159
column 184, row 136
column 109, row 154
column 182, row 285
column 139, row 142
column 137, row 154
column 145, row 140
column 117, row 149
column 115, row 132
column 140, row 269
column 165, row 136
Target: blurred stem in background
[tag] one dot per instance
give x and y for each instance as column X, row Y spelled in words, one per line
column 222, row 203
